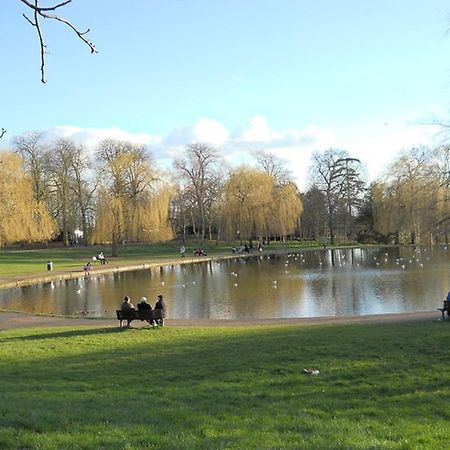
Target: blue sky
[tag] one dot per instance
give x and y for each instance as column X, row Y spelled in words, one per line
column 286, row 76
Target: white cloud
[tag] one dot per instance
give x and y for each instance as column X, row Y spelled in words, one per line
column 291, row 145
column 205, row 130
column 375, row 144
column 91, row 137
column 257, row 131
column 211, row 132
column 378, row 145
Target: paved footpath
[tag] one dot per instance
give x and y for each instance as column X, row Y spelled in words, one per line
column 12, row 320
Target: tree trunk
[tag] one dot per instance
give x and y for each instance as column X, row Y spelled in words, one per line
column 194, row 229
column 114, row 245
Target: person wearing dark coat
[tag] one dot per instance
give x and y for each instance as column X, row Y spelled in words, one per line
column 144, row 306
column 160, row 304
column 125, row 306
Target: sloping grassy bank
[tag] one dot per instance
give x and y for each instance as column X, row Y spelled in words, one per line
column 380, row 387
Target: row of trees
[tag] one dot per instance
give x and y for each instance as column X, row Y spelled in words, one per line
column 116, row 194
column 243, row 203
column 412, row 202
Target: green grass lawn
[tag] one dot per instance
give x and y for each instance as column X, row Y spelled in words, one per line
column 380, row 387
column 16, row 262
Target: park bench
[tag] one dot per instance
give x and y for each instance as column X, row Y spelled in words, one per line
column 143, row 314
column 445, row 307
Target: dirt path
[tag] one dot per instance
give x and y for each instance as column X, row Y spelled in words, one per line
column 12, row 320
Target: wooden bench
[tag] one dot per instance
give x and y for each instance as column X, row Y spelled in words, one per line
column 152, row 315
column 445, row 307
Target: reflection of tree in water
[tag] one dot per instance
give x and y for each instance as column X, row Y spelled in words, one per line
column 368, row 281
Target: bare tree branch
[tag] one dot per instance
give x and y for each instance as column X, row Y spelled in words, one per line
column 2, row 133
column 48, row 8
column 42, row 12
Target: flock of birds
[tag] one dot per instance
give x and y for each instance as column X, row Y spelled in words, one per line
column 340, row 259
column 314, row 260
column 343, row 260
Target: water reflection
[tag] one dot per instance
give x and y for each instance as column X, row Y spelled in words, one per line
column 304, row 284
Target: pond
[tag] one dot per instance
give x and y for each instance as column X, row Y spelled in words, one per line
column 304, row 284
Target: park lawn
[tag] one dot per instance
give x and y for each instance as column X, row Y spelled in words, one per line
column 16, row 263
column 381, row 386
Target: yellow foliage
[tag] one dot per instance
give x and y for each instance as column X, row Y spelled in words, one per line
column 147, row 220
column 256, row 206
column 22, row 218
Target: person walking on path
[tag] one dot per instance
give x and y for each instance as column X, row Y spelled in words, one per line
column 87, row 268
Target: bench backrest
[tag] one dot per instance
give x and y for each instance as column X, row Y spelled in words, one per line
column 143, row 314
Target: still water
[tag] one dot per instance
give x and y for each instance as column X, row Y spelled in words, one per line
column 303, row 284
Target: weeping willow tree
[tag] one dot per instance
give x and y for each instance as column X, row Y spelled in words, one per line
column 286, row 209
column 255, row 205
column 411, row 199
column 247, row 198
column 133, row 205
column 22, row 217
column 151, row 217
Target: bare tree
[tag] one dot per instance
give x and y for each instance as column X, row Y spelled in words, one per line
column 338, row 177
column 32, row 148
column 273, row 166
column 199, row 169
column 41, row 12
column 83, row 187
column 59, row 169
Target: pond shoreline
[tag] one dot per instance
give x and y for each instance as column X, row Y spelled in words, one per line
column 65, row 274
column 10, row 319
column 56, row 275
column 13, row 320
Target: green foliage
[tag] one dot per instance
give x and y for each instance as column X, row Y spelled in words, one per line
column 380, row 386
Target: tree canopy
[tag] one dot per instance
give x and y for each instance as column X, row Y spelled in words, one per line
column 22, row 217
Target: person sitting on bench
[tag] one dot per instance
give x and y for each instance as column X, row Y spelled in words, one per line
column 144, row 306
column 127, row 305
column 446, row 305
